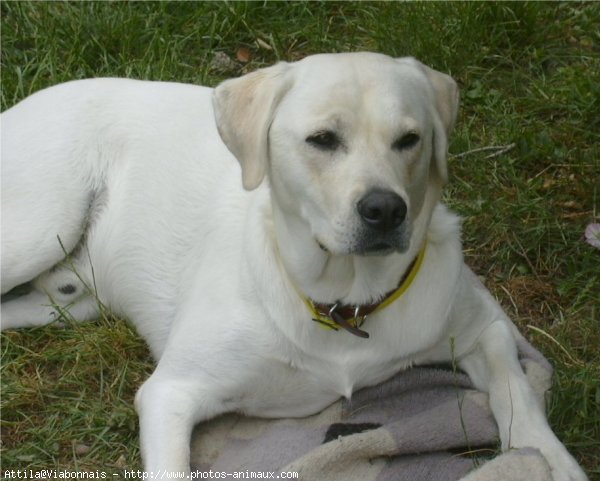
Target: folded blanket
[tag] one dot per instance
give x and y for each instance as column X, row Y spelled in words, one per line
column 424, row 424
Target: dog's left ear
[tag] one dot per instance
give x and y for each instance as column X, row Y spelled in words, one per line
column 244, row 110
column 445, row 110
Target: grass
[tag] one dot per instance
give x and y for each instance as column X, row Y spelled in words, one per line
column 529, row 74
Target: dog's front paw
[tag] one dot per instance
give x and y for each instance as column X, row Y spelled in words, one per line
column 567, row 471
column 563, row 465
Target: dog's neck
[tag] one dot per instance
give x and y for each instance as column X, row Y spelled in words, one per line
column 328, row 278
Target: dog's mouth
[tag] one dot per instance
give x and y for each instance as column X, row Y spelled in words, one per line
column 376, row 249
column 379, row 249
column 372, row 243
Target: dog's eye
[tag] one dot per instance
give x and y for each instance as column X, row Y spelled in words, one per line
column 325, row 140
column 407, row 141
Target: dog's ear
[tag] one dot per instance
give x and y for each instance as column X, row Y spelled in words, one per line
column 445, row 110
column 244, row 110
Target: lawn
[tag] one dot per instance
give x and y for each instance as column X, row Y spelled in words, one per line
column 529, row 74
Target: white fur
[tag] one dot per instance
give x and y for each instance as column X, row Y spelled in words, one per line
column 138, row 181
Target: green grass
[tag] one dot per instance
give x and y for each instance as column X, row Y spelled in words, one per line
column 529, row 74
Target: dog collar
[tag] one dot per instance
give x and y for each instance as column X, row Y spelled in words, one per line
column 352, row 317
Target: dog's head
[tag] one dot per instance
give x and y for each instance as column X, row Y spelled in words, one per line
column 353, row 144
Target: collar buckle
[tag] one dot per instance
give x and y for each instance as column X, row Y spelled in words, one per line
column 351, row 325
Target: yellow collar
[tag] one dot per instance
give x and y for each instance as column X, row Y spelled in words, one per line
column 351, row 318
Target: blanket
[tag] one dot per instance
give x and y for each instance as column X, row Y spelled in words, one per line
column 424, row 424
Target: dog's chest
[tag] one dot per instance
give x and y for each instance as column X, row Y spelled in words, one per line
column 347, row 375
column 304, row 386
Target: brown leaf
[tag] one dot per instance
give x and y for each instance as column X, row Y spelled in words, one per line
column 81, row 449
column 243, row 54
column 121, row 463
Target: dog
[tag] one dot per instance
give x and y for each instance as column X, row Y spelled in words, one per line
column 333, row 250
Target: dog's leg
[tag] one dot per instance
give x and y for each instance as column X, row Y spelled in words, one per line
column 168, row 409
column 47, row 186
column 33, row 242
column 494, row 367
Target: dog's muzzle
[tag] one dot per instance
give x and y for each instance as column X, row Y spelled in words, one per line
column 382, row 213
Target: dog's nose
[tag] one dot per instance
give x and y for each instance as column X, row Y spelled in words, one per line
column 383, row 210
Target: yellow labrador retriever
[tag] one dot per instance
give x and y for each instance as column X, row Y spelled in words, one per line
column 335, row 253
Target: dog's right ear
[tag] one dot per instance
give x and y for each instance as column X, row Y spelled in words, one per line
column 244, row 110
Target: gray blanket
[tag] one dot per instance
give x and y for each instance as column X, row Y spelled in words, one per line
column 424, row 424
